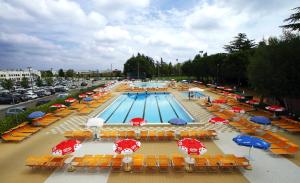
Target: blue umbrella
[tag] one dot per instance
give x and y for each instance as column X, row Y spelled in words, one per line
column 250, row 141
column 87, row 99
column 177, row 121
column 261, row 120
column 36, row 114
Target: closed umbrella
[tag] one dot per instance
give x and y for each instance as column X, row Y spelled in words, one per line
column 177, row 121
column 95, row 124
column 36, row 114
column 251, row 142
column 66, row 147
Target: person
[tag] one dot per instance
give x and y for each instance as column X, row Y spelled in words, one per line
column 189, row 95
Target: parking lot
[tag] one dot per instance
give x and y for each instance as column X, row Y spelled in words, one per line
column 57, row 91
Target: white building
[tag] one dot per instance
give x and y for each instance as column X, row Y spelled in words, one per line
column 17, row 75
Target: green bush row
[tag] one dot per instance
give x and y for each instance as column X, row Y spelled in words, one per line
column 12, row 121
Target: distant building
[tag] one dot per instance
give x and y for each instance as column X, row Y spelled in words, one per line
column 17, row 75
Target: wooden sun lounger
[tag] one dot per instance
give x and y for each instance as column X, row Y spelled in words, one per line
column 116, row 163
column 85, row 111
column 170, row 135
column 137, row 163
column 178, row 163
column 9, row 138
column 105, row 161
column 200, row 164
column 152, row 135
column 163, row 163
column 144, row 135
column 151, row 162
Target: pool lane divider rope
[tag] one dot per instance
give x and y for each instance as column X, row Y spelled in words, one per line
column 172, row 106
column 146, row 96
column 130, row 108
column 115, row 109
column 158, row 109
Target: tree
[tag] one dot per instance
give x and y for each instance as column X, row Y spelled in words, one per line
column 293, row 22
column 24, row 82
column 70, row 73
column 240, row 43
column 139, row 66
column 274, row 69
column 7, row 84
column 46, row 74
column 39, row 82
column 49, row 81
column 61, row 73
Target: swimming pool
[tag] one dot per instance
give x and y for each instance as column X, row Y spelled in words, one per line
column 153, row 107
column 196, row 94
column 150, row 84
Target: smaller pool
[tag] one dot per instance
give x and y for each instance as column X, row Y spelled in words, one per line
column 193, row 94
column 150, row 84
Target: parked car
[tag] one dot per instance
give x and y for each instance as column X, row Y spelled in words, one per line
column 31, row 95
column 41, row 102
column 7, row 98
column 83, row 84
column 62, row 95
column 15, row 110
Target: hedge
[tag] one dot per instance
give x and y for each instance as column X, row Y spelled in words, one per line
column 12, row 121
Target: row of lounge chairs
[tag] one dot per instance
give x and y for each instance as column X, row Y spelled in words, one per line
column 141, row 163
column 46, row 161
column 25, row 130
column 287, row 124
column 20, row 132
column 159, row 135
column 279, row 144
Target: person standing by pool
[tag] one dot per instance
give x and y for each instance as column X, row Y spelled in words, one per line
column 189, row 95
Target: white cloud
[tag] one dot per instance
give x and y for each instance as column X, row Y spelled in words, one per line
column 93, row 34
column 112, row 33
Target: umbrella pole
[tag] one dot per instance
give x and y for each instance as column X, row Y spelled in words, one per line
column 250, row 153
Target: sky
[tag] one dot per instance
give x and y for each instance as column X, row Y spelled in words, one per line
column 95, row 34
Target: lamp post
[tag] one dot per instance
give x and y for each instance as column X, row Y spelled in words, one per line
column 138, row 68
column 218, row 73
column 31, row 82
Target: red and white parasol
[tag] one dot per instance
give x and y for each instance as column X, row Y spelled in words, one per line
column 82, row 96
column 237, row 110
column 218, row 120
column 126, row 146
column 239, row 97
column 275, row 108
column 70, row 100
column 191, row 146
column 228, row 89
column 137, row 122
column 58, row 106
column 252, row 102
column 219, row 101
column 89, row 93
column 66, row 147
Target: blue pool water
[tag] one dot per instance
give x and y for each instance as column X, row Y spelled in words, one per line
column 153, row 107
column 150, row 84
column 197, row 94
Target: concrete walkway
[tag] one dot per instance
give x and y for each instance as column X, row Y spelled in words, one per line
column 266, row 167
